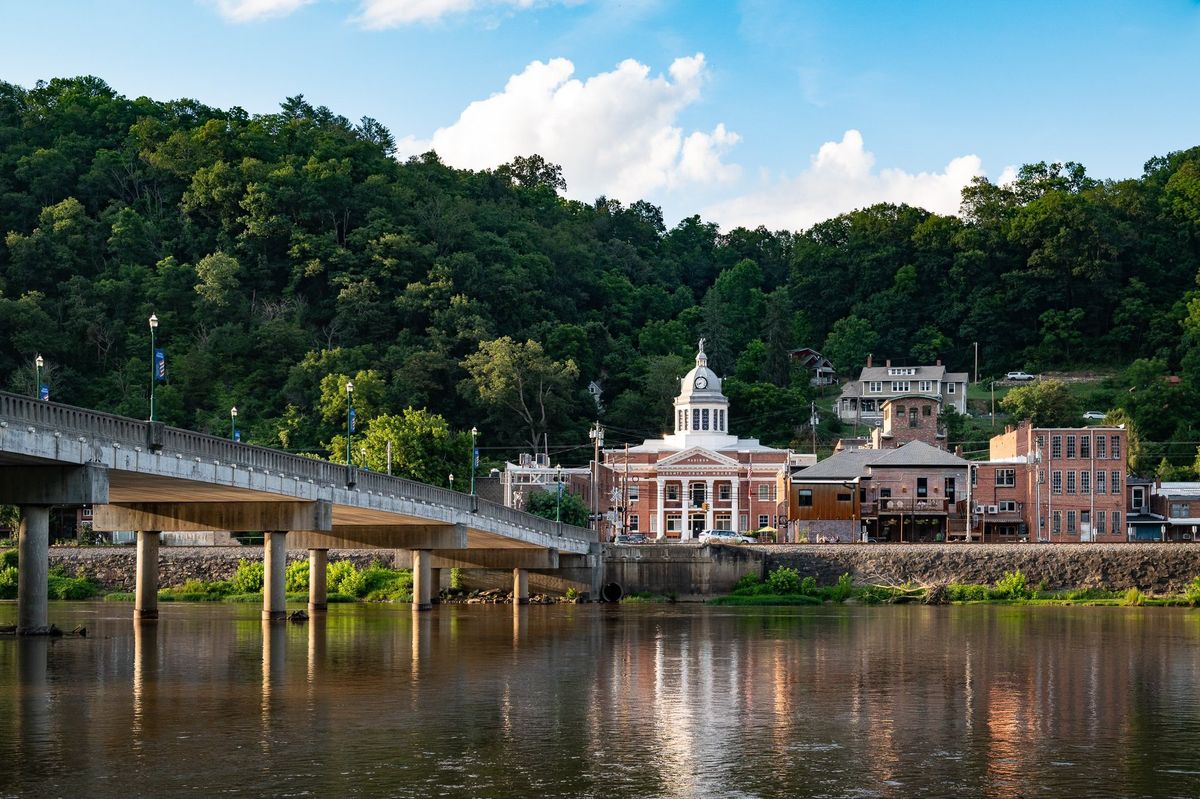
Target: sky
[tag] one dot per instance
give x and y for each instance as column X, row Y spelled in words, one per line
column 761, row 112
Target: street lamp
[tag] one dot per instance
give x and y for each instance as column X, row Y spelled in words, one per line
column 38, row 363
column 153, row 362
column 349, row 420
column 452, row 481
column 558, row 496
column 474, row 457
column 233, row 423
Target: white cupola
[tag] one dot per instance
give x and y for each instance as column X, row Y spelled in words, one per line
column 701, row 410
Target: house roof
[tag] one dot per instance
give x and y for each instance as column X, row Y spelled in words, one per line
column 846, row 464
column 920, row 373
column 1188, row 489
column 918, row 453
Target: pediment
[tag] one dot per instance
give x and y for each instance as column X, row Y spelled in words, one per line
column 697, row 457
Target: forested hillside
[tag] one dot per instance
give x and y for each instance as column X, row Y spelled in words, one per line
column 284, row 253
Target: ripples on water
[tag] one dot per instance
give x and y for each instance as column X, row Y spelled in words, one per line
column 601, row 701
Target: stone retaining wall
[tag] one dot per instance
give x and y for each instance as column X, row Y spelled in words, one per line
column 115, row 567
column 1155, row 568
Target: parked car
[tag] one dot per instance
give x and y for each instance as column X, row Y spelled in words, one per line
column 632, row 538
column 1093, row 416
column 1020, row 376
column 724, row 537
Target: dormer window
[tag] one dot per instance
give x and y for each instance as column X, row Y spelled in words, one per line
column 902, row 372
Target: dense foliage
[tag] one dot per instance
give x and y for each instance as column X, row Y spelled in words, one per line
column 286, row 253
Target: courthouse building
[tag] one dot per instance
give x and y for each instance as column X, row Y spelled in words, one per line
column 701, row 476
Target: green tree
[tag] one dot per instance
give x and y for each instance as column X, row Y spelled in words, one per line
column 424, row 448
column 571, row 509
column 1045, row 403
column 849, row 343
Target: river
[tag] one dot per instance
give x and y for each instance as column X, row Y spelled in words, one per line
column 605, row 701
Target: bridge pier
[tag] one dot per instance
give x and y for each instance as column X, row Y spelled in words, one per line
column 421, row 561
column 520, row 587
column 435, row 586
column 145, row 606
column 318, row 562
column 33, row 546
column 274, row 566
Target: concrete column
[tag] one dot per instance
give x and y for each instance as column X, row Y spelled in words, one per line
column 685, row 519
column 520, row 587
column 735, row 488
column 34, row 551
column 435, row 586
column 661, row 533
column 274, row 564
column 421, row 561
column 708, row 495
column 318, row 595
column 145, row 604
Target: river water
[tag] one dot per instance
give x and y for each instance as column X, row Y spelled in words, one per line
column 605, row 701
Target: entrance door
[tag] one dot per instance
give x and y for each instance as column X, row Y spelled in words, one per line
column 950, row 491
column 697, row 525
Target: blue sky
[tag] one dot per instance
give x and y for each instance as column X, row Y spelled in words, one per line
column 757, row 112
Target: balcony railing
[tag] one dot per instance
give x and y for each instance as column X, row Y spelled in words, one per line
column 918, row 505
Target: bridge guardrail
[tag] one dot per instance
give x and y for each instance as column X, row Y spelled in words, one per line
column 135, row 433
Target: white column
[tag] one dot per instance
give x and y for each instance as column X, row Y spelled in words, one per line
column 685, row 519
column 661, row 531
column 712, row 500
column 736, row 490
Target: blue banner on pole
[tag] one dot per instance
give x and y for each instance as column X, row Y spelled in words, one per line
column 44, row 392
column 160, row 366
column 477, row 456
column 353, row 417
column 237, row 435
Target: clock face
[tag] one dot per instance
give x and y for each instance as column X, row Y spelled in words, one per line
column 701, row 382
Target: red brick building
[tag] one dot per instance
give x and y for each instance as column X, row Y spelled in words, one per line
column 700, row 477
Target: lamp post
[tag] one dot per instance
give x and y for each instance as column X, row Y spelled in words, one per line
column 596, row 434
column 233, row 423
column 474, row 457
column 153, row 364
column 452, row 481
column 558, row 495
column 38, row 363
column 349, row 420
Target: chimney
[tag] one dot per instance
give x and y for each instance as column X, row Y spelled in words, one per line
column 958, row 450
column 939, row 362
column 868, row 360
column 888, row 362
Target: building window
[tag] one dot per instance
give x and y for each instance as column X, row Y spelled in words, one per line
column 1115, row 449
column 764, row 492
column 845, row 497
column 1085, row 521
column 1115, row 485
column 804, row 498
column 1179, row 510
column 1070, row 521
column 1137, row 496
column 926, row 386
column 1056, row 482
column 1085, row 446
column 927, row 410
column 672, row 491
column 698, row 494
column 1116, row 522
column 1071, row 482
column 721, row 422
column 695, row 418
column 633, row 523
column 949, row 388
column 1041, row 442
column 885, row 493
column 875, row 387
column 900, row 411
column 1008, row 506
column 635, row 492
column 704, row 419
column 1006, row 477
column 974, row 470
column 763, row 520
column 1070, row 446
column 743, row 521
column 723, row 492
column 1085, row 482
column 1057, row 524
column 673, row 522
column 653, row 523
column 1100, row 446
column 1100, row 479
column 1055, row 446
column 1100, row 529
column 900, row 387
column 912, row 417
column 922, row 487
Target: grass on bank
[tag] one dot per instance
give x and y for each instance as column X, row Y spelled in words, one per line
column 785, row 586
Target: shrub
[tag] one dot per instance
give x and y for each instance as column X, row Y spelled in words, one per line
column 8, row 582
column 60, row 586
column 748, row 583
column 1192, row 592
column 248, row 579
column 1011, row 586
column 296, row 577
column 1133, row 597
column 842, row 591
column 571, row 595
column 9, row 559
column 338, row 571
column 784, row 580
column 960, row 592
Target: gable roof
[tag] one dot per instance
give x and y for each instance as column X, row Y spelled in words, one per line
column 847, row 464
column 700, row 456
column 918, row 453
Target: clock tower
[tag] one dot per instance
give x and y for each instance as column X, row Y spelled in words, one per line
column 701, row 410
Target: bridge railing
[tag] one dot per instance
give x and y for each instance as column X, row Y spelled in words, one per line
column 106, row 427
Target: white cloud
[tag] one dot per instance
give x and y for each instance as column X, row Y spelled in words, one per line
column 378, row 14
column 615, row 133
column 254, row 10
column 842, row 177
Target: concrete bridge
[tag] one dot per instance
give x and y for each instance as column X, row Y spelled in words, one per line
column 147, row 477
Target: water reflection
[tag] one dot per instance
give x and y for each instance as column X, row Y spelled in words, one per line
column 629, row 701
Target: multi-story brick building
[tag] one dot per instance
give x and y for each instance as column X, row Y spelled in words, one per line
column 1068, row 483
column 861, row 400
column 910, row 417
column 700, row 477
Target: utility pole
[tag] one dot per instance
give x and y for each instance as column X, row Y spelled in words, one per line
column 812, row 422
column 625, row 495
column 597, row 436
column 993, row 384
column 976, row 361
